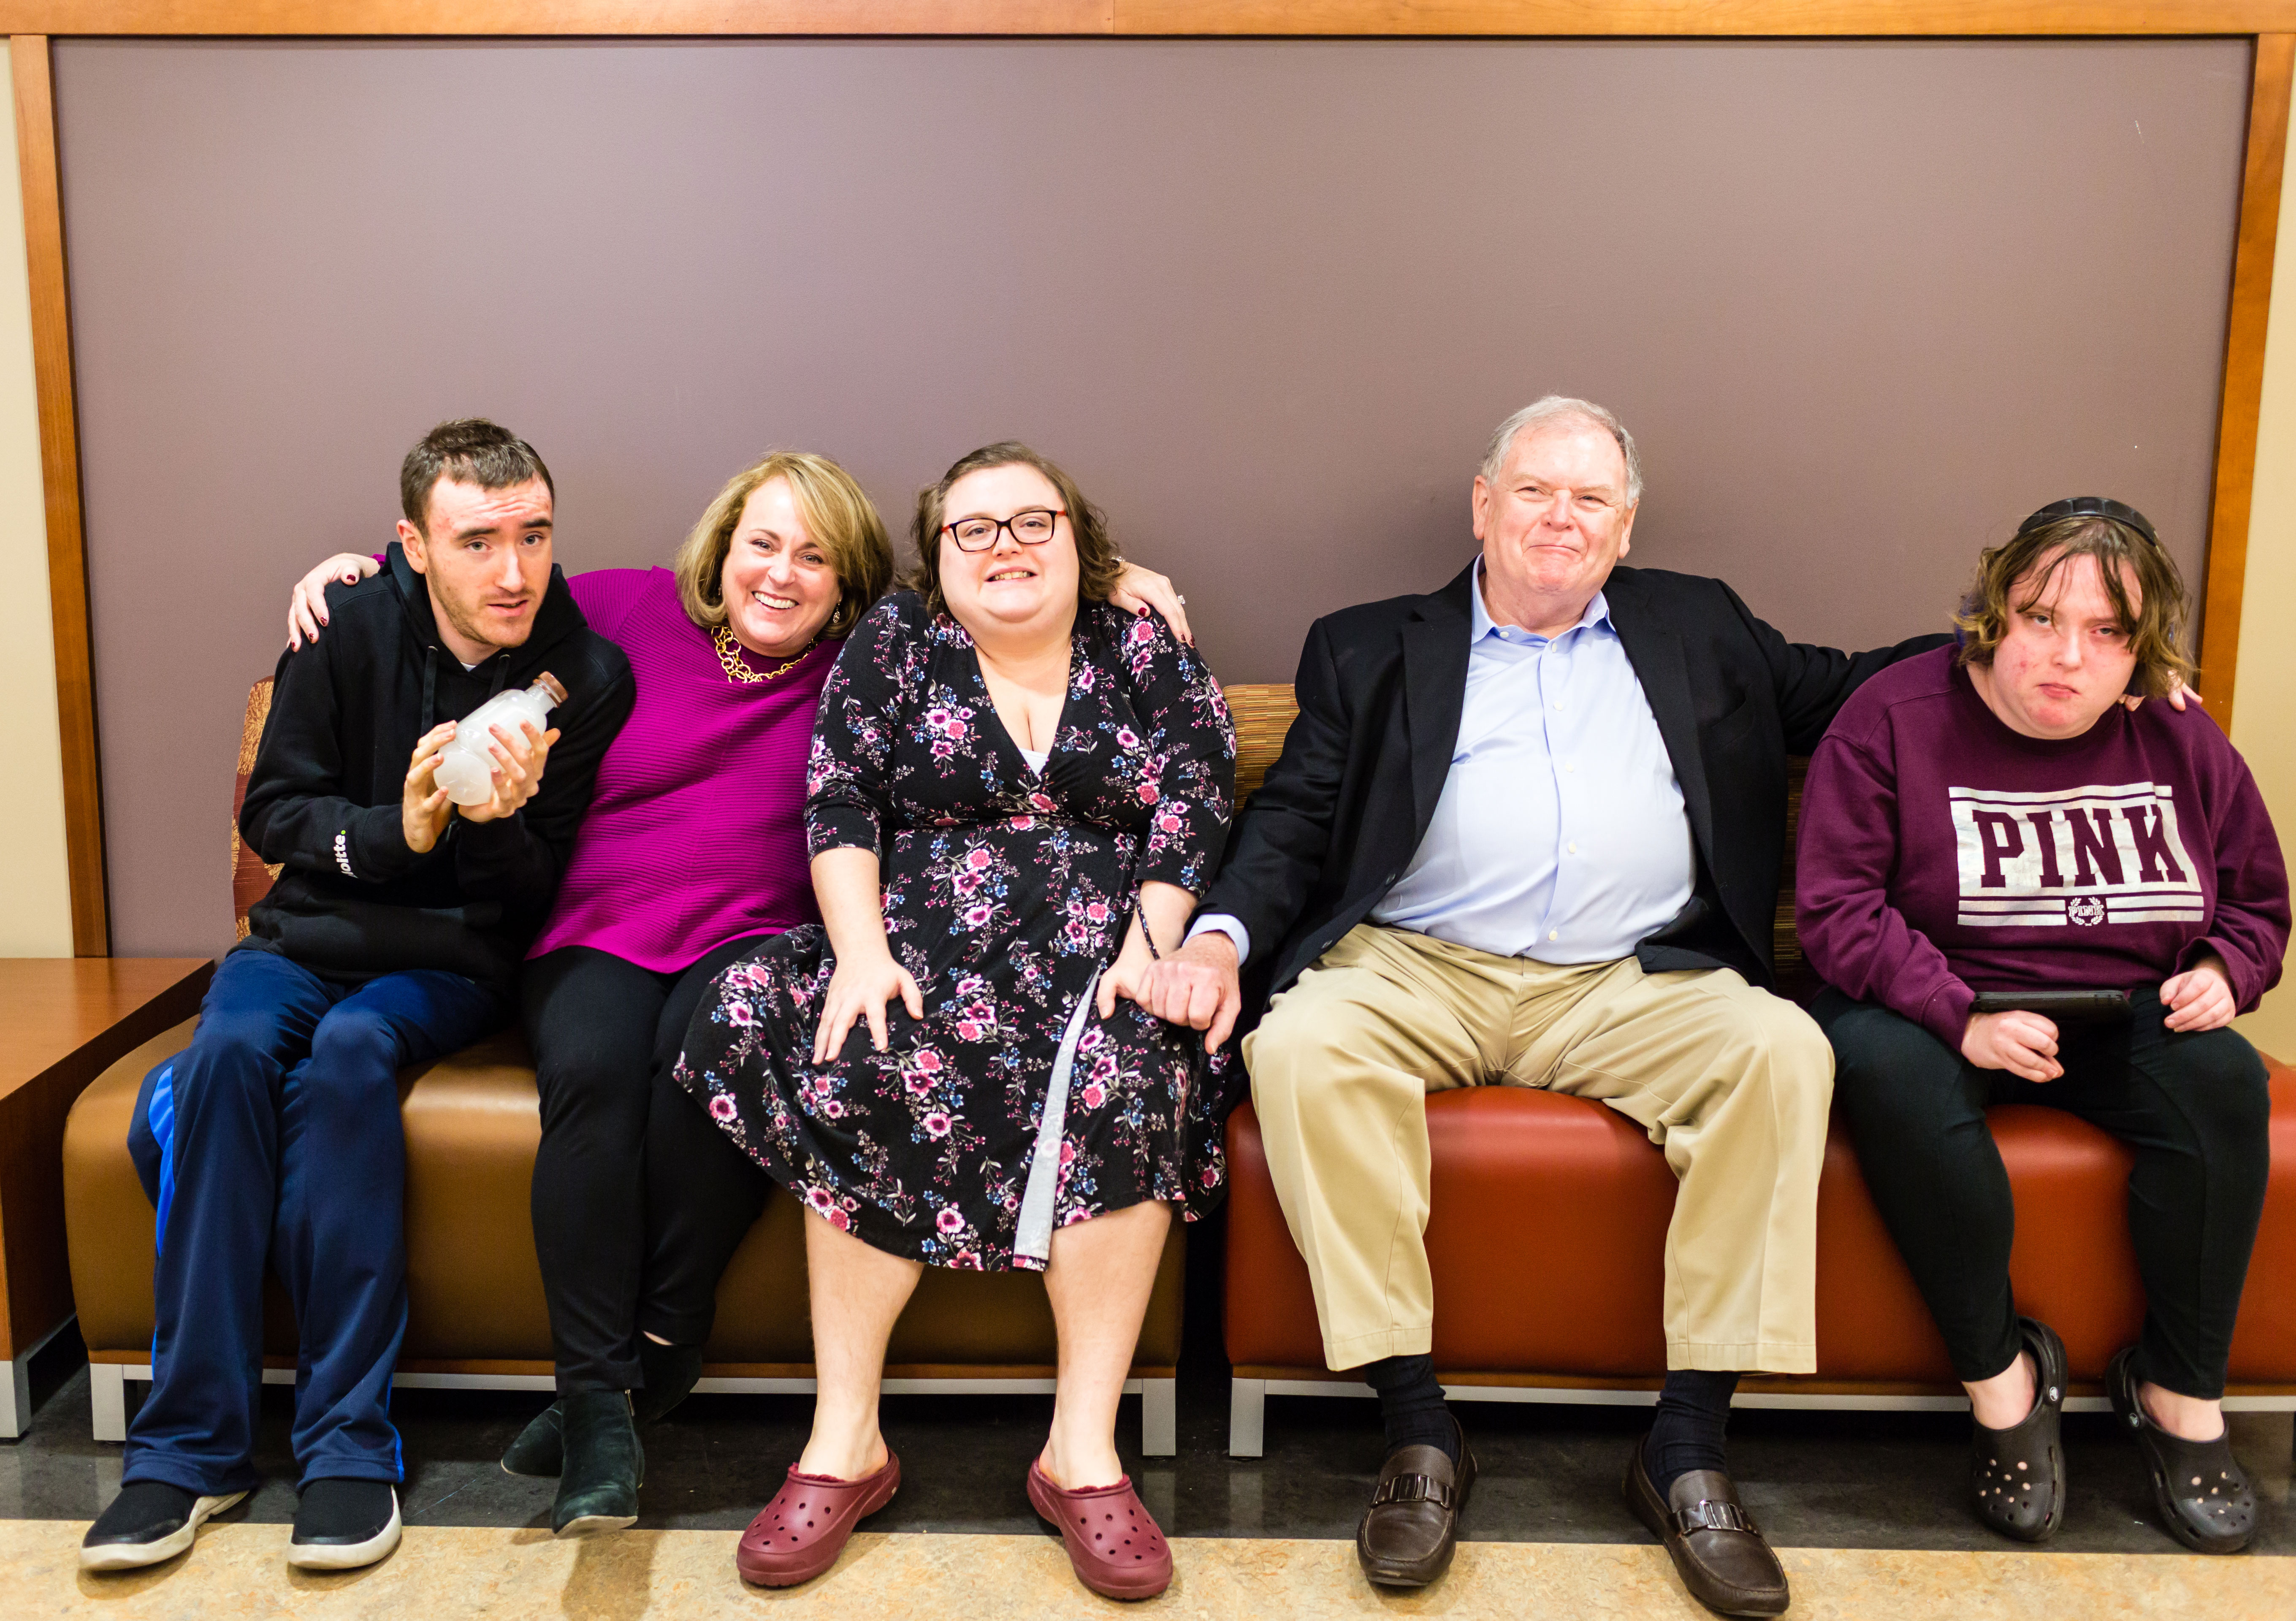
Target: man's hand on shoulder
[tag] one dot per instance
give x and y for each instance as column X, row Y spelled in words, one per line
column 424, row 808
column 519, row 758
column 1198, row 986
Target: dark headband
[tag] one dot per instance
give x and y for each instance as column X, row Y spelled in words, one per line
column 2093, row 506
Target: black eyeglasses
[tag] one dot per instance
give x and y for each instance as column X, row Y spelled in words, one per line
column 1031, row 527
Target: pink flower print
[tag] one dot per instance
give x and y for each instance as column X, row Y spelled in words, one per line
column 1086, row 676
column 976, row 916
column 1103, row 1067
column 937, row 1125
column 839, row 1220
column 1022, row 824
column 1126, row 738
column 918, row 1084
column 721, row 1107
column 1042, row 802
column 966, row 1261
column 1097, row 911
column 1068, row 1153
column 966, row 1030
column 738, row 1013
column 1168, row 822
column 1077, row 933
column 1090, row 1039
column 819, row 1199
column 941, row 751
column 938, row 719
column 977, row 860
column 1094, row 1096
column 1148, row 794
column 1141, row 632
column 967, row 882
column 949, row 1220
column 927, row 1061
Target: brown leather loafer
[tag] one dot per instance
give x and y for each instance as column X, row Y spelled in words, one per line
column 1412, row 1527
column 1718, row 1548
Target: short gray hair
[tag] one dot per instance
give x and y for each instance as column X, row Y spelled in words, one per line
column 1552, row 408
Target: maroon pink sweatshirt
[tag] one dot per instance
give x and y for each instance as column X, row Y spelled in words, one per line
column 1942, row 853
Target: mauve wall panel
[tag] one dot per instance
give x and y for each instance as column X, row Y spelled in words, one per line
column 1864, row 304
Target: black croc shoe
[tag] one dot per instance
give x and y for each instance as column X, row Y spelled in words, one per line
column 2202, row 1494
column 2017, row 1475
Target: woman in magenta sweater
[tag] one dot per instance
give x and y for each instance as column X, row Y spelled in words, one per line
column 1986, row 830
column 693, row 853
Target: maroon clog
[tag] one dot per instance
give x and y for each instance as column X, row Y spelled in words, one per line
column 1115, row 1546
column 800, row 1533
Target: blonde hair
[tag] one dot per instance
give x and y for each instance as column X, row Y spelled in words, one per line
column 2026, row 567
column 838, row 515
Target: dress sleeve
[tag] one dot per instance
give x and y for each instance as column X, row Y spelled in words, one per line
column 848, row 775
column 1188, row 778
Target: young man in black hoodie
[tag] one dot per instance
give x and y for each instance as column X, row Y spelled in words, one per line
column 392, row 937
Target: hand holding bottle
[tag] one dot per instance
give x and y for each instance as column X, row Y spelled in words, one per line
column 424, row 808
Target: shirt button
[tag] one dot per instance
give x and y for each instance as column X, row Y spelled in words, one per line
column 1552, row 933
column 1558, row 703
column 1574, row 846
column 1571, row 767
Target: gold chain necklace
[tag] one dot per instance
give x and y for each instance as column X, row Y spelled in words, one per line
column 729, row 654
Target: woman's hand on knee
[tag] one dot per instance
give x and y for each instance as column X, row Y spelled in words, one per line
column 2200, row 998
column 860, row 988
column 2024, row 1044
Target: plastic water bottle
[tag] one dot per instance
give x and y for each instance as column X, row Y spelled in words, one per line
column 466, row 765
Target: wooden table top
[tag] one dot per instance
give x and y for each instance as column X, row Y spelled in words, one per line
column 52, row 1007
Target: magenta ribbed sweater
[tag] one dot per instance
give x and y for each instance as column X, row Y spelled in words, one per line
column 696, row 835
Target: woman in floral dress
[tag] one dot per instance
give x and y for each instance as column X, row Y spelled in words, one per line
column 1014, row 795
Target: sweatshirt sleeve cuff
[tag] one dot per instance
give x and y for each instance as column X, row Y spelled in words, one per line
column 372, row 847
column 2240, row 973
column 1946, row 1014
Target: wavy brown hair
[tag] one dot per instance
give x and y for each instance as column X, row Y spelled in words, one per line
column 1099, row 564
column 839, row 516
column 2015, row 576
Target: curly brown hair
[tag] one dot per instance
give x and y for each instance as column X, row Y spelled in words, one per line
column 2025, row 568
column 1099, row 564
column 838, row 515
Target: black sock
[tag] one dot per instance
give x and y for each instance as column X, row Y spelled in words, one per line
column 1692, row 1410
column 1410, row 1404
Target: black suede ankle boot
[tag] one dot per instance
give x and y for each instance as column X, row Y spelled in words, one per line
column 598, row 1488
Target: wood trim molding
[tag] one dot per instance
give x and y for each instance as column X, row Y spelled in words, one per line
column 2243, row 370
column 52, row 368
column 1549, row 18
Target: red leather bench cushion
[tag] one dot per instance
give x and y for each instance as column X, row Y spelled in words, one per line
column 1547, row 1236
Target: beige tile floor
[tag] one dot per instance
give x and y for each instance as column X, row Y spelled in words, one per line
column 446, row 1575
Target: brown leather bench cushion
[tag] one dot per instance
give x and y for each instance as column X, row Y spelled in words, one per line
column 474, row 1289
column 1549, row 1218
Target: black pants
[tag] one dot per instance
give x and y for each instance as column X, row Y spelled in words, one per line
column 703, row 1196
column 599, row 1026
column 2194, row 1108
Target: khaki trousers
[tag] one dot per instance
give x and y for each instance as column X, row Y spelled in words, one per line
column 1732, row 1082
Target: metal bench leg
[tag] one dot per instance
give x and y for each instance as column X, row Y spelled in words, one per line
column 1159, row 1417
column 1247, row 1416
column 15, row 1397
column 107, row 1390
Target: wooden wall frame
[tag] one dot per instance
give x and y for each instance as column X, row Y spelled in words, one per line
column 2270, row 24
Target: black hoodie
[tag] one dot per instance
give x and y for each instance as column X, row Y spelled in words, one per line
column 324, row 799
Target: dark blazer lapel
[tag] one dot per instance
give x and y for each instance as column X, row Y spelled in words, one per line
column 1656, row 653
column 1435, row 689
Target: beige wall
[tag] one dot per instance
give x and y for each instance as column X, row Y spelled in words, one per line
column 35, row 883
column 2264, row 702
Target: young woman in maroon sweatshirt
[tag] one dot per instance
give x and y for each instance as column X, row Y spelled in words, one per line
column 1990, row 818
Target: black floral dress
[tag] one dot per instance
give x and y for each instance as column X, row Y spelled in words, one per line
column 1004, row 891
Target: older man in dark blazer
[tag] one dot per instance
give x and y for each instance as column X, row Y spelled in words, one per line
column 1526, row 830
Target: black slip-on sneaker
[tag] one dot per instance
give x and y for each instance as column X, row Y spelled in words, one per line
column 147, row 1522
column 340, row 1524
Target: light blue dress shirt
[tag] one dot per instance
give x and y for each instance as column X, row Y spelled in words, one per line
column 1560, row 834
